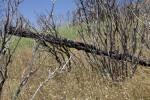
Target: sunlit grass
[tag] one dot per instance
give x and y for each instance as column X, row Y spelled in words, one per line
column 80, row 84
column 68, row 32
column 23, row 42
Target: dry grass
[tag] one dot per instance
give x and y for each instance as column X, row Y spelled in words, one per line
column 80, row 84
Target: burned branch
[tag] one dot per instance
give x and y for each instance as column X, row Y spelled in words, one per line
column 82, row 46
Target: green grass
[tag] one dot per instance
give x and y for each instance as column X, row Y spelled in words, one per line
column 23, row 43
column 68, row 32
column 65, row 31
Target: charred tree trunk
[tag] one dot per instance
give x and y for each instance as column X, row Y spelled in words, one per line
column 82, row 46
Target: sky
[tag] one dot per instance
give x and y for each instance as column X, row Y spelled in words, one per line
column 29, row 7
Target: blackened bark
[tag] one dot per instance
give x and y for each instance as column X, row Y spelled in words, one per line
column 82, row 46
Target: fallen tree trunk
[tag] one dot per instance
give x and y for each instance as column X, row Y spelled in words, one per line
column 82, row 46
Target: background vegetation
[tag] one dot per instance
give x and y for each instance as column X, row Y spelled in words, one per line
column 62, row 73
